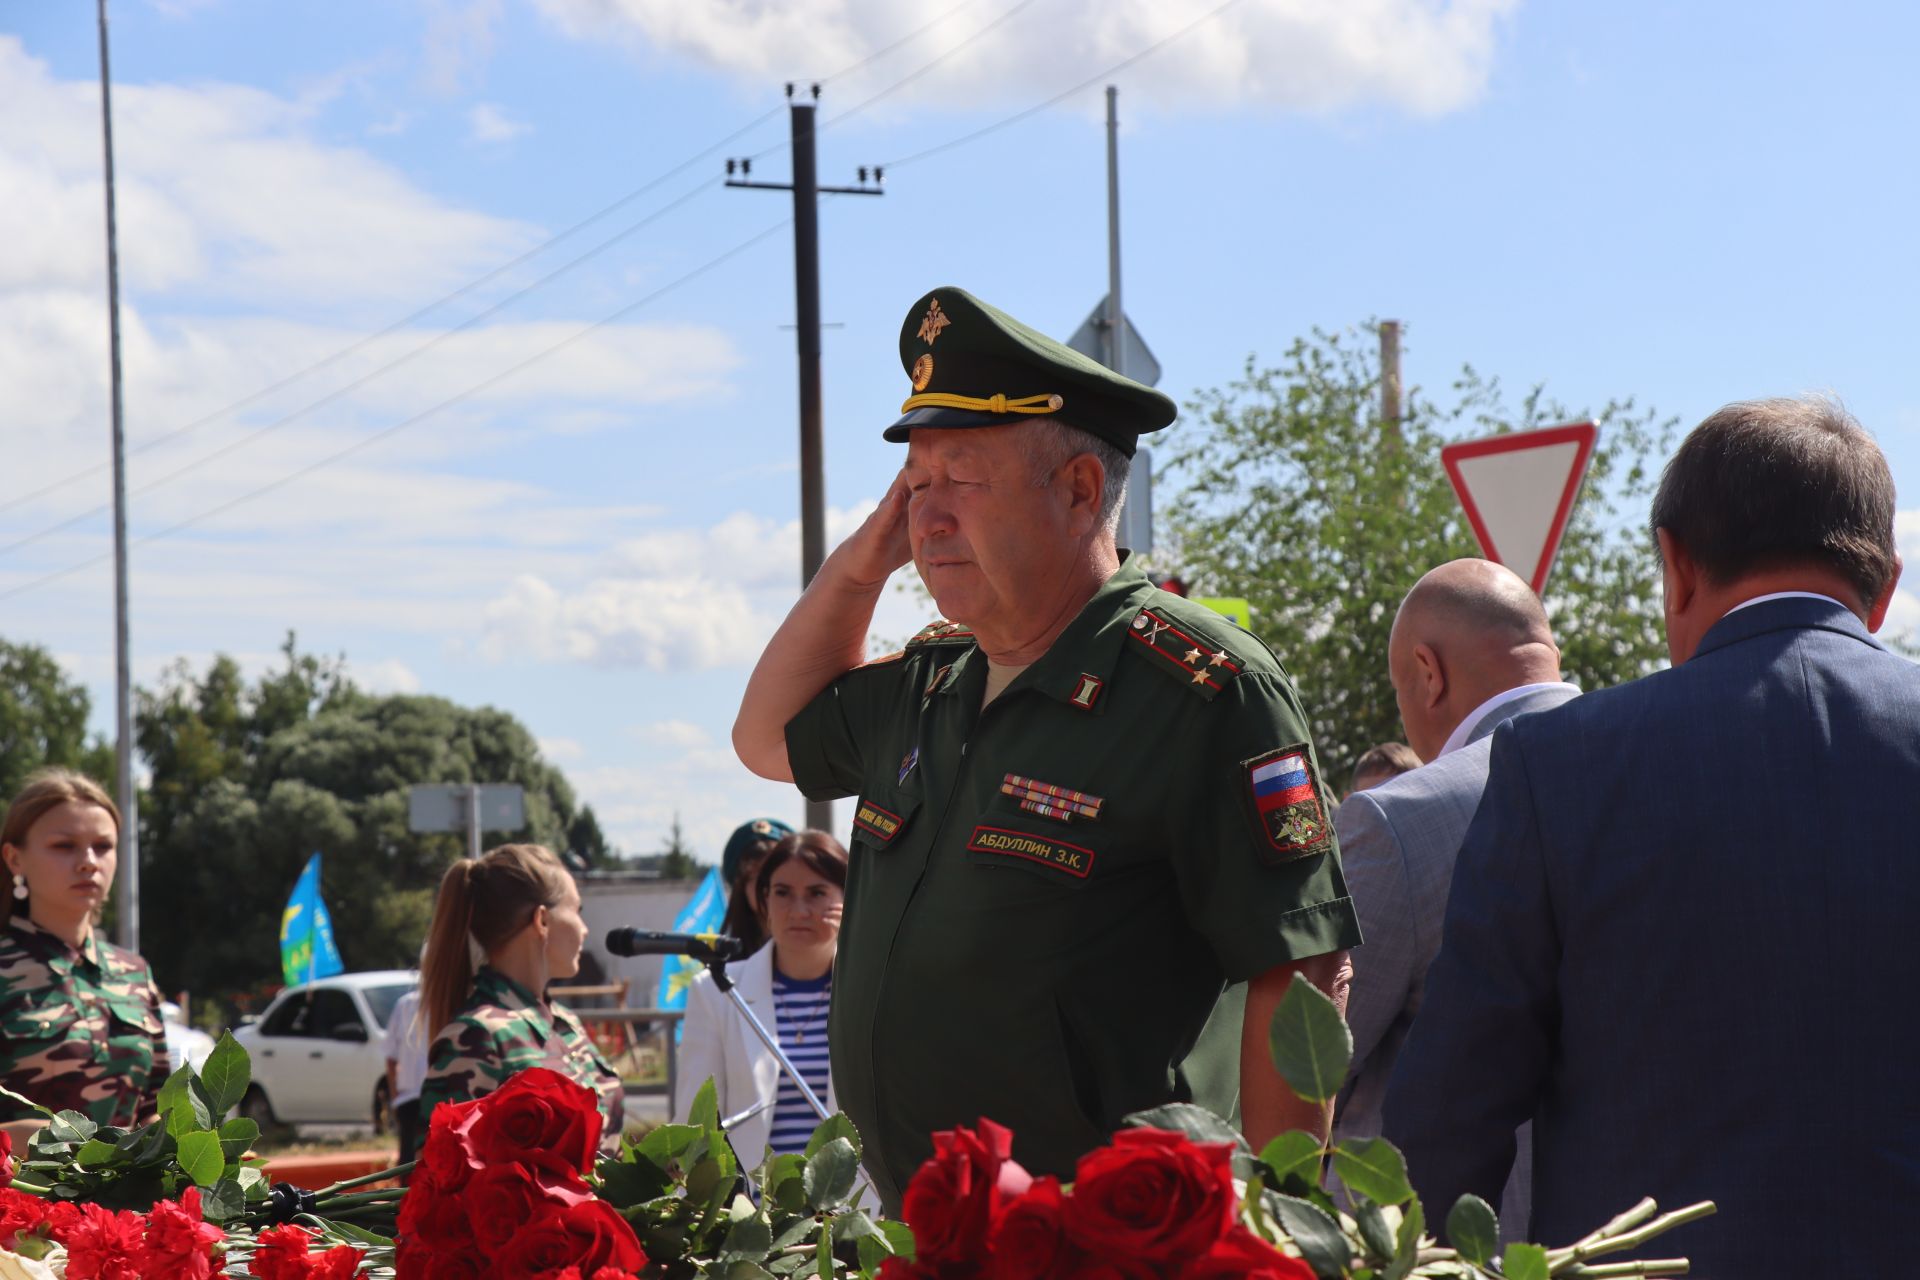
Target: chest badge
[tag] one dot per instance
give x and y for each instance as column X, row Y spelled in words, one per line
column 907, row 762
column 1049, row 801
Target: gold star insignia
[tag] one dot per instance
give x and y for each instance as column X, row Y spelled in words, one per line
column 933, row 322
column 1200, row 676
column 1217, row 658
column 1193, row 656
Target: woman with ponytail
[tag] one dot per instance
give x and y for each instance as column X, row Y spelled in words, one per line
column 519, row 908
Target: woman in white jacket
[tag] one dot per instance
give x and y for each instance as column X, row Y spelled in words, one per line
column 788, row 984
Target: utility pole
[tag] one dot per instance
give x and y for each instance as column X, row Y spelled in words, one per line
column 1390, row 378
column 806, row 191
column 127, row 927
column 1116, row 318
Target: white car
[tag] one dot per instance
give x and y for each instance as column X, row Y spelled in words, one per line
column 185, row 1044
column 317, row 1056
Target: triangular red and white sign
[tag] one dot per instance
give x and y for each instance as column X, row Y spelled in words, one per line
column 1518, row 491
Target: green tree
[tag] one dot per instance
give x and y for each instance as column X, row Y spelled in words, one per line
column 1299, row 497
column 43, row 720
column 249, row 780
column 586, row 840
column 677, row 859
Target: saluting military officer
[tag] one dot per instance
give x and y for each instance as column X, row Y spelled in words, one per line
column 1086, row 806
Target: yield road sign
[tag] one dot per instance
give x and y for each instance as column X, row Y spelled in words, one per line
column 1518, row 491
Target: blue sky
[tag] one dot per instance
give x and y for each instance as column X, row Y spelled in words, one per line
column 1686, row 204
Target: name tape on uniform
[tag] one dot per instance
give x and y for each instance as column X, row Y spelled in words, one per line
column 1070, row 858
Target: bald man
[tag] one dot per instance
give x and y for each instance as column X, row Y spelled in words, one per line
column 1470, row 650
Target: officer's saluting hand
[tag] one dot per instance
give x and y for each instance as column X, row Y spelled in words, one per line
column 1087, row 808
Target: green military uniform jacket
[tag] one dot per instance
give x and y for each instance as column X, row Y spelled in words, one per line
column 79, row 1030
column 1048, row 897
column 504, row 1029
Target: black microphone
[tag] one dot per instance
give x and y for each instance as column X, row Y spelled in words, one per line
column 704, row 947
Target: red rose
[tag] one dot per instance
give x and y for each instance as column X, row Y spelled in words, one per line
column 1086, row 1267
column 588, row 1235
column 104, row 1245
column 1030, row 1238
column 613, row 1273
column 1242, row 1255
column 1152, row 1196
column 505, row 1198
column 416, row 1261
column 448, row 1155
column 955, row 1197
column 6, row 1157
column 179, row 1243
column 537, row 1117
column 433, row 1216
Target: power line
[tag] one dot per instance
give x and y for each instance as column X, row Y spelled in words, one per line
column 1064, row 94
column 909, row 38
column 402, row 323
column 386, row 433
column 905, row 80
column 911, row 76
column 341, row 392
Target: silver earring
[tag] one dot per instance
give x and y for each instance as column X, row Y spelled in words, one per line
column 19, row 886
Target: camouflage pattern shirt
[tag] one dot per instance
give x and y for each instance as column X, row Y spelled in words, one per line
column 503, row 1029
column 79, row 1030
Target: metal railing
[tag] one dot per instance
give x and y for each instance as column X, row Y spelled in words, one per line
column 665, row 1021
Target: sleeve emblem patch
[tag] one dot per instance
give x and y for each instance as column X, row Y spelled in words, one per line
column 1286, row 800
column 875, row 821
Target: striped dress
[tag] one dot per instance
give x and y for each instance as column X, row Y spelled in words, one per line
column 800, row 1007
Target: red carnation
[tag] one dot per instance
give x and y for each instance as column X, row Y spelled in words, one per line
column 1152, row 1196
column 955, row 1197
column 284, row 1254
column 1242, row 1255
column 416, row 1261
column 502, row 1199
column 179, row 1244
column 103, row 1245
column 1030, row 1238
column 537, row 1117
column 20, row 1215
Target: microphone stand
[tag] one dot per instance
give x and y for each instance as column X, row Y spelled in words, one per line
column 717, row 966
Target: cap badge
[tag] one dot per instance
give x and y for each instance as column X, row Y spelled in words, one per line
column 933, row 322
column 923, row 368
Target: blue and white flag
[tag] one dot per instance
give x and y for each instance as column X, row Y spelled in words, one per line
column 704, row 914
column 307, row 950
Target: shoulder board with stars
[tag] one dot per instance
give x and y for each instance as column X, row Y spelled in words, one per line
column 942, row 633
column 1205, row 667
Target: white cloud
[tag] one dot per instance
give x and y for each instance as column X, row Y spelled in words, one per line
column 560, row 750
column 1421, row 56
column 684, row 599
column 673, row 733
column 709, row 791
column 221, row 187
column 389, row 676
column 489, row 123
column 459, row 42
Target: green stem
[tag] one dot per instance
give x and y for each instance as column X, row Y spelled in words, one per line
column 356, row 1200
column 384, row 1175
column 1661, row 1267
column 29, row 1188
column 1604, row 1242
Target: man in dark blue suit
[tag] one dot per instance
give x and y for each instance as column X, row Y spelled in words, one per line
column 1680, row 937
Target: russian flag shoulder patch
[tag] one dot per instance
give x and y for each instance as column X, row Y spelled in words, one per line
column 1286, row 801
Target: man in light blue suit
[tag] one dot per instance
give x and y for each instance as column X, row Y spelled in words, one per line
column 1470, row 650
column 1680, row 936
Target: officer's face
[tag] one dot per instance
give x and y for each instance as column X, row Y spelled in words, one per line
column 986, row 540
column 68, row 859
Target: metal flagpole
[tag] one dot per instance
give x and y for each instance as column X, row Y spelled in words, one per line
column 127, row 928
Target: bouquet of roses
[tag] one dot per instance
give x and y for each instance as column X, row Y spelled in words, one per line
column 1180, row 1196
column 501, row 1189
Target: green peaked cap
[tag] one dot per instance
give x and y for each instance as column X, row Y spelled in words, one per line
column 971, row 365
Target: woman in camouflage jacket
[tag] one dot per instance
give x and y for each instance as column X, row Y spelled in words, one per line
column 80, row 1025
column 522, row 909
